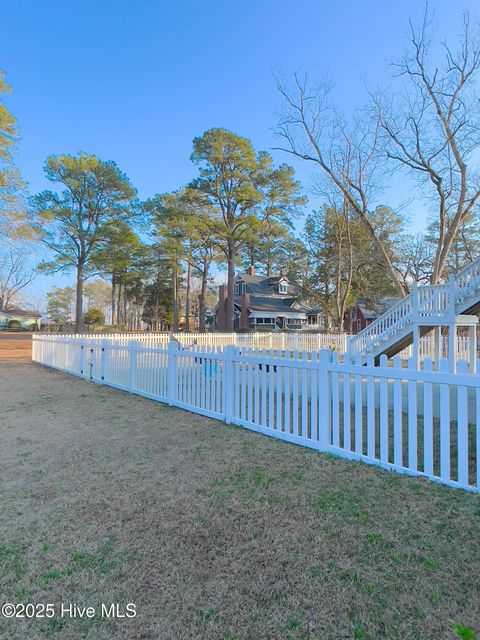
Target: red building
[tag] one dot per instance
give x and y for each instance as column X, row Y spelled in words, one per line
column 363, row 314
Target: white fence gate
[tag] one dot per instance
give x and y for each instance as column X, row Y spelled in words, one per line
column 410, row 420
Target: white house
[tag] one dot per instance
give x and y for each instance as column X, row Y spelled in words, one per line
column 28, row 319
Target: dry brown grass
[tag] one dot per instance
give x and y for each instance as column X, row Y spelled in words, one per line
column 214, row 532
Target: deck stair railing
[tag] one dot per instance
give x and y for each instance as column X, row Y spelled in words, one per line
column 430, row 305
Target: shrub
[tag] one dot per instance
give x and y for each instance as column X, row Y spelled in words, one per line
column 94, row 316
column 14, row 324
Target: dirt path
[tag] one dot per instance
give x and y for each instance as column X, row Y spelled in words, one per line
column 15, row 346
column 213, row 532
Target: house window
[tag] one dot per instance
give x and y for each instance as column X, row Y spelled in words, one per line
column 240, row 287
column 282, row 287
column 294, row 322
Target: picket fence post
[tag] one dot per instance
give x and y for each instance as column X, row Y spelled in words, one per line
column 324, row 408
column 172, row 363
column 103, row 362
column 82, row 358
column 228, row 364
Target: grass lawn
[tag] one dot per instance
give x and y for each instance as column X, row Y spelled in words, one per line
column 214, row 532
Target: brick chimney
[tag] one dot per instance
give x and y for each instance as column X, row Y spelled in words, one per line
column 222, row 308
column 251, row 270
column 244, row 319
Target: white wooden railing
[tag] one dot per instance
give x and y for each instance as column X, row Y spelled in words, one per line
column 409, row 420
column 467, row 281
column 432, row 301
column 435, row 302
column 439, row 301
column 395, row 320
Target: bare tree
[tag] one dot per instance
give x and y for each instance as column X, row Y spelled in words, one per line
column 15, row 272
column 416, row 263
column 432, row 126
column 347, row 155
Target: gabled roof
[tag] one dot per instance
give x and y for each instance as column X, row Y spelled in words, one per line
column 16, row 312
column 316, row 309
column 258, row 285
column 370, row 312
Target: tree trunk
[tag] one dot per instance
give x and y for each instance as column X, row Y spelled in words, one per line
column 175, row 296
column 187, row 298
column 125, row 305
column 230, row 315
column 119, row 306
column 79, row 326
column 201, row 299
column 114, row 284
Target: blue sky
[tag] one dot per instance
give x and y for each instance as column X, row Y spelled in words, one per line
column 135, row 80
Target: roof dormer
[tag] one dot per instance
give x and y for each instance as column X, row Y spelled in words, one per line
column 240, row 287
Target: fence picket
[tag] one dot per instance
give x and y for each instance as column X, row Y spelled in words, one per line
column 347, row 409
column 286, row 399
column 304, row 396
column 397, row 416
column 358, row 410
column 462, row 427
column 370, row 410
column 243, row 401
column 263, row 390
column 314, row 397
column 294, row 373
column 444, row 424
column 383, row 412
column 278, row 406
column 412, row 419
column 428, row 421
column 335, row 405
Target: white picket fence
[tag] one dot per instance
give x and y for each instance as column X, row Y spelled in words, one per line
column 259, row 340
column 266, row 340
column 410, row 420
column 427, row 348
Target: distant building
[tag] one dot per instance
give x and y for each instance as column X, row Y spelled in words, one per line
column 265, row 302
column 364, row 313
column 27, row 319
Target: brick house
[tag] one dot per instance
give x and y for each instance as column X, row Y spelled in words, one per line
column 263, row 302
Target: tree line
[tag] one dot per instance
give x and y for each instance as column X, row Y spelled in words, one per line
column 241, row 209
